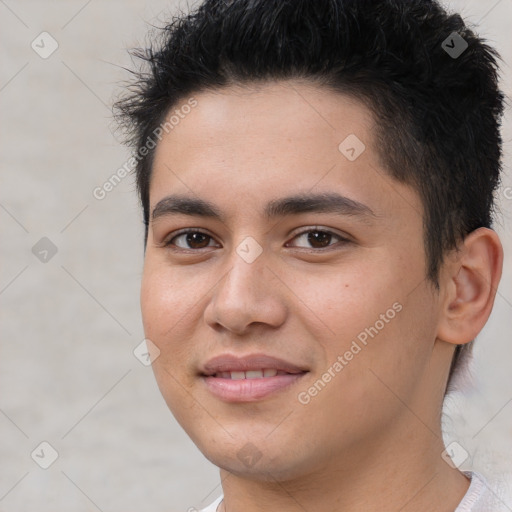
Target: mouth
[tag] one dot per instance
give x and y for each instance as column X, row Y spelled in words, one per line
column 250, row 378
column 250, row 374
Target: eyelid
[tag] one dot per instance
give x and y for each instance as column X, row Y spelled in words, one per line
column 303, row 230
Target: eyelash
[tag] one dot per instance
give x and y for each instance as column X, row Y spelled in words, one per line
column 172, row 246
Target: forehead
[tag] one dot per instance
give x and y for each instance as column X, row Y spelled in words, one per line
column 271, row 138
column 295, row 109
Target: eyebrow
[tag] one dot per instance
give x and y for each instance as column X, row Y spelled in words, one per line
column 291, row 205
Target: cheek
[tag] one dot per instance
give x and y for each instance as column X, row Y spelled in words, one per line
column 155, row 302
column 165, row 305
column 343, row 301
column 167, row 295
column 367, row 318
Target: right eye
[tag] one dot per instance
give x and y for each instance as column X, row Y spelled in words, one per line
column 191, row 239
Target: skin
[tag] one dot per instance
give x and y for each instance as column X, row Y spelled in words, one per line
column 371, row 438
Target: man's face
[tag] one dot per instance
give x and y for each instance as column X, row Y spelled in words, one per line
column 336, row 301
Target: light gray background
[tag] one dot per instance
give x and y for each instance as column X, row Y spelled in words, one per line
column 67, row 372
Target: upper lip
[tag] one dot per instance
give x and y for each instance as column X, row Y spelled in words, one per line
column 232, row 363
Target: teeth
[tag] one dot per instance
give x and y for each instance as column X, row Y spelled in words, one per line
column 251, row 374
column 254, row 374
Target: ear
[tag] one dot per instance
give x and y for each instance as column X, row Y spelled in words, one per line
column 469, row 281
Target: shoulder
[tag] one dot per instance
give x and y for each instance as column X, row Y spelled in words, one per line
column 479, row 497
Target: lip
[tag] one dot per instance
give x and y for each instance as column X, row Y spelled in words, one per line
column 249, row 390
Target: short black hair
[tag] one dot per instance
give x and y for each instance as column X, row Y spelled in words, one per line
column 430, row 81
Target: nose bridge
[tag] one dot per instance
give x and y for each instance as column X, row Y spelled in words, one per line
column 247, row 269
column 245, row 295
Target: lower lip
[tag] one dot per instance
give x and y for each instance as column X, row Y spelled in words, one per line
column 249, row 390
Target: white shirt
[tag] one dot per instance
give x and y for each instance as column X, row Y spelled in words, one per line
column 478, row 497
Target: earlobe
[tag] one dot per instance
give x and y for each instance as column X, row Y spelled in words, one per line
column 470, row 281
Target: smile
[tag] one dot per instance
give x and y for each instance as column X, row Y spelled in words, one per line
column 250, row 378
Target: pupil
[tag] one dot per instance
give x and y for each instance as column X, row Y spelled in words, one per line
column 323, row 238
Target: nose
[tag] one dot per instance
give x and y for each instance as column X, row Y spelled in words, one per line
column 248, row 294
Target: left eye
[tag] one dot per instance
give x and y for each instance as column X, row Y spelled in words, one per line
column 319, row 238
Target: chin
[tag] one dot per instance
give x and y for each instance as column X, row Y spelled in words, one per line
column 257, row 460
